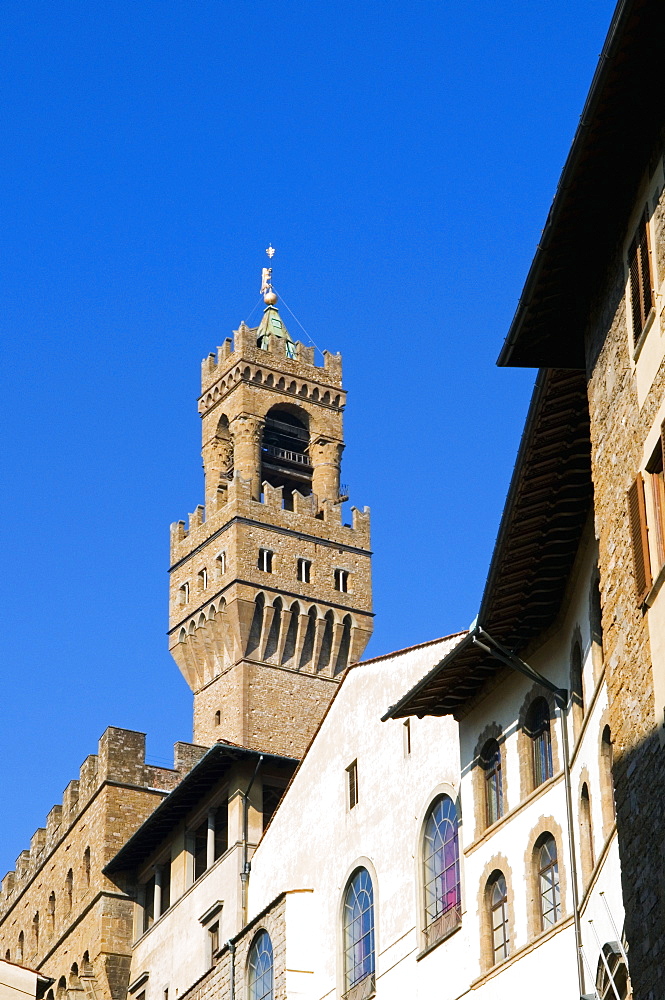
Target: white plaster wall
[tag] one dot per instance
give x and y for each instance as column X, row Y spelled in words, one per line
column 175, row 950
column 315, row 841
column 16, row 983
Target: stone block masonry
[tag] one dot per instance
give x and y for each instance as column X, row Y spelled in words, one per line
column 58, row 913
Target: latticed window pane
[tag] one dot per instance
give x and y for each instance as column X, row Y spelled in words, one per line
column 441, row 858
column 491, row 762
column 358, row 928
column 499, row 918
column 548, row 877
column 612, row 978
column 538, row 729
column 261, row 968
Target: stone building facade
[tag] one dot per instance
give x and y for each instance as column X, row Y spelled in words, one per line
column 270, row 594
column 58, row 913
column 593, row 301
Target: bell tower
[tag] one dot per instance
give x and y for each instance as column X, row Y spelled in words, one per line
column 270, row 593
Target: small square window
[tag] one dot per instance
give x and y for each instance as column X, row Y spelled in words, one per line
column 352, row 772
column 304, row 568
column 265, row 560
column 342, row 580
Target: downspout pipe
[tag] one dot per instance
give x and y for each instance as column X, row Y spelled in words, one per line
column 484, row 641
column 246, row 864
column 230, row 944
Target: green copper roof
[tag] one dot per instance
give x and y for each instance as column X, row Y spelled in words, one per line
column 272, row 328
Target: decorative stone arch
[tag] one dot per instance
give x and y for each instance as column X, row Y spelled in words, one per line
column 314, row 395
column 258, row 376
column 302, row 391
column 545, row 826
column 606, row 763
column 182, row 635
column 212, row 612
column 525, row 744
column 498, row 863
column 273, row 637
column 492, row 731
column 61, row 989
column 192, row 627
column 256, row 628
column 291, row 638
column 585, row 827
column 216, row 393
column 281, row 384
column 292, row 387
column 246, row 373
column 202, row 620
column 335, row 401
column 325, row 398
column 577, row 700
column 309, row 638
column 342, row 660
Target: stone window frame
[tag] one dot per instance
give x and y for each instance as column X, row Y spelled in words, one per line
column 258, row 931
column 577, row 708
column 586, row 840
column 596, row 626
column 492, row 731
column 607, row 801
column 273, row 922
column 545, row 825
column 304, row 569
column 360, row 862
column 498, row 862
column 525, row 744
column 341, row 579
column 444, row 788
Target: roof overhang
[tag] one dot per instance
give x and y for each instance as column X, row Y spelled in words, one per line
column 208, row 772
column 545, row 513
column 621, row 123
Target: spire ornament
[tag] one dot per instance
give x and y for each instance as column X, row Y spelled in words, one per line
column 267, row 291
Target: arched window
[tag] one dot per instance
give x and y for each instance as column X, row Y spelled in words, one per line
column 548, row 883
column 538, row 730
column 497, row 900
column 576, row 687
column 86, row 866
column 442, row 869
column 260, row 968
column 586, row 832
column 285, row 459
column 69, row 888
column 51, row 909
column 607, row 762
column 35, row 932
column 358, row 929
column 612, row 978
column 490, row 759
column 21, row 948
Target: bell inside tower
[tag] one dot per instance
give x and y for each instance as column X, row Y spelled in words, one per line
column 285, row 457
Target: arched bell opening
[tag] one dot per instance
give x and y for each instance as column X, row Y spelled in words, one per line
column 285, row 457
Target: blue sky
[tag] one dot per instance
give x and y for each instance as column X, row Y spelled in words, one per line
column 401, row 157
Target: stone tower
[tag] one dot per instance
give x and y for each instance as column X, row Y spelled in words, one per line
column 270, row 593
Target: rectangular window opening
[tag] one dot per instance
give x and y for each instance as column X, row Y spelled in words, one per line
column 221, row 564
column 352, row 772
column 342, row 580
column 265, row 560
column 304, row 568
column 183, row 594
column 641, row 282
column 203, row 579
column 213, row 938
column 407, row 737
column 657, row 483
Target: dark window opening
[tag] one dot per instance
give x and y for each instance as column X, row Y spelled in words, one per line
column 200, row 845
column 221, row 830
column 265, row 560
column 490, row 759
column 352, row 777
column 641, row 284
column 342, row 580
column 271, row 799
column 538, row 730
column 285, row 460
column 304, row 568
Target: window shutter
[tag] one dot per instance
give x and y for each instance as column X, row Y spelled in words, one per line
column 647, row 299
column 634, row 267
column 638, row 531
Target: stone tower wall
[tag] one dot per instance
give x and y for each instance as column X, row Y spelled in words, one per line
column 263, row 650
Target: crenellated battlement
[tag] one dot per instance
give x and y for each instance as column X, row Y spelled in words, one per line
column 120, row 759
column 244, row 348
column 235, row 500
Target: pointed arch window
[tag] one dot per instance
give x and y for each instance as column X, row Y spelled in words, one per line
column 548, row 883
column 490, row 759
column 260, row 968
column 497, row 898
column 441, row 869
column 612, row 979
column 538, row 731
column 358, row 929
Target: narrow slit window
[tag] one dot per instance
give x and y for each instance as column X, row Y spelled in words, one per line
column 342, row 580
column 265, row 560
column 221, row 564
column 203, row 579
column 657, row 482
column 304, row 570
column 407, row 737
column 352, row 778
column 183, row 594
